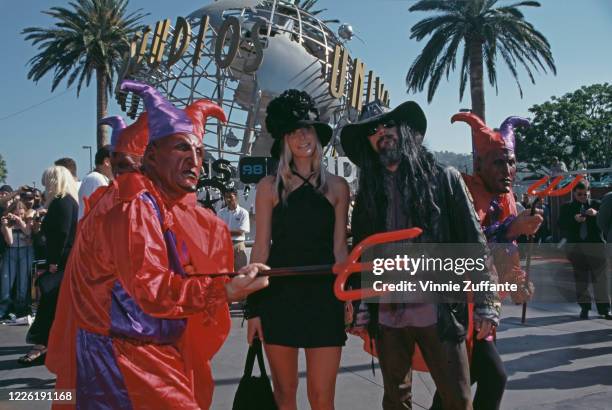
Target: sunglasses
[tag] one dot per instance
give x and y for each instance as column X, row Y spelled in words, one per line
column 373, row 129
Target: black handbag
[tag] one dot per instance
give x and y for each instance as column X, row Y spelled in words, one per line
column 49, row 282
column 254, row 393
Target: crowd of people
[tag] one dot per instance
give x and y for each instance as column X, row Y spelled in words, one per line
column 137, row 318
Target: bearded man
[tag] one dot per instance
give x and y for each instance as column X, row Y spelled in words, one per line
column 402, row 186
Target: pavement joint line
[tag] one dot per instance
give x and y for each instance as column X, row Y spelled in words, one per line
column 362, row 377
column 420, row 376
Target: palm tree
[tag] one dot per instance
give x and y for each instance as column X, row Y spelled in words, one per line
column 88, row 38
column 484, row 32
column 308, row 5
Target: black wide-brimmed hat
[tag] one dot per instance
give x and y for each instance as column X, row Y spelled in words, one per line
column 292, row 110
column 354, row 137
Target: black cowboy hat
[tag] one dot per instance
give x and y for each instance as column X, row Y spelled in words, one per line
column 292, row 110
column 353, row 137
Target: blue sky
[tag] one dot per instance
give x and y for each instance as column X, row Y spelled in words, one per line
column 579, row 32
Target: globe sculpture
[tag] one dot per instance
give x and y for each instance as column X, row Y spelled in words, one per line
column 297, row 53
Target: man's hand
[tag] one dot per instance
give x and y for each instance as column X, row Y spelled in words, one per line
column 246, row 283
column 483, row 327
column 591, row 212
column 525, row 223
column 579, row 218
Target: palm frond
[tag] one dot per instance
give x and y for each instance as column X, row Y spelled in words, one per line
column 502, row 30
column 424, row 64
column 87, row 36
column 436, row 5
column 465, row 72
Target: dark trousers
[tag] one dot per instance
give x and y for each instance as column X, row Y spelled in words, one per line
column 589, row 263
column 488, row 371
column 45, row 314
column 447, row 363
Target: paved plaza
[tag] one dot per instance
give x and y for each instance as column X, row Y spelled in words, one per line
column 555, row 361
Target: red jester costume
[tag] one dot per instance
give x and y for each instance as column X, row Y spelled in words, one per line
column 491, row 191
column 493, row 197
column 136, row 328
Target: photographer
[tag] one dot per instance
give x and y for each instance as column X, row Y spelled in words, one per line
column 17, row 259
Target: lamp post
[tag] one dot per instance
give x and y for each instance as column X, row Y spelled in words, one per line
column 90, row 158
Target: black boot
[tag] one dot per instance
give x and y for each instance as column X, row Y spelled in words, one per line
column 584, row 313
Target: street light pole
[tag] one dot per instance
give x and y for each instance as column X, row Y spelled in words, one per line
column 90, row 158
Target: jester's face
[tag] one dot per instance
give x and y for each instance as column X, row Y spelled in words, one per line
column 497, row 168
column 176, row 162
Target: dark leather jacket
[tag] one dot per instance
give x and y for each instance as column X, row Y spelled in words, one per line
column 457, row 222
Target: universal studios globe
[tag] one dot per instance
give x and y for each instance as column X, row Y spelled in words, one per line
column 246, row 53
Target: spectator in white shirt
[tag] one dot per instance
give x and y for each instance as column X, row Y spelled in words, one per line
column 100, row 176
column 237, row 219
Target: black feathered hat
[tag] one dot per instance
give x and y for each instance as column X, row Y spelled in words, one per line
column 292, row 110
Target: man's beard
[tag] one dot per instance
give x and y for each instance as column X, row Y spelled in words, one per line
column 390, row 155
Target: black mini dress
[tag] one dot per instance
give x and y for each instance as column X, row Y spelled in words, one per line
column 301, row 311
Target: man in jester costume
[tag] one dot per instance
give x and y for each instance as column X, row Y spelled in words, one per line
column 491, row 189
column 137, row 322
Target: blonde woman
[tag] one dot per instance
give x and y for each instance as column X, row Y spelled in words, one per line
column 301, row 220
column 59, row 228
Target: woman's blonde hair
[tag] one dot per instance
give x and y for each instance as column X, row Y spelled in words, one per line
column 58, row 182
column 284, row 173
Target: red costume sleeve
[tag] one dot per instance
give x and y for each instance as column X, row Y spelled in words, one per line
column 141, row 259
column 210, row 249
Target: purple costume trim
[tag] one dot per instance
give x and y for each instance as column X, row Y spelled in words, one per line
column 497, row 230
column 100, row 384
column 127, row 318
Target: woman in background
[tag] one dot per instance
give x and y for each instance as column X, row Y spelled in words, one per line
column 59, row 228
column 18, row 255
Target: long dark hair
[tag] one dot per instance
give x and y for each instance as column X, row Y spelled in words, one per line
column 417, row 170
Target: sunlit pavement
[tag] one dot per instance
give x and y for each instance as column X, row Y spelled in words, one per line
column 555, row 361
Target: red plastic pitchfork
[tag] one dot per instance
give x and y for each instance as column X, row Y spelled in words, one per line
column 342, row 270
column 548, row 191
column 346, row 269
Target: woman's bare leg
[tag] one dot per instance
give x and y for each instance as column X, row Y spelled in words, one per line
column 322, row 365
column 283, row 366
